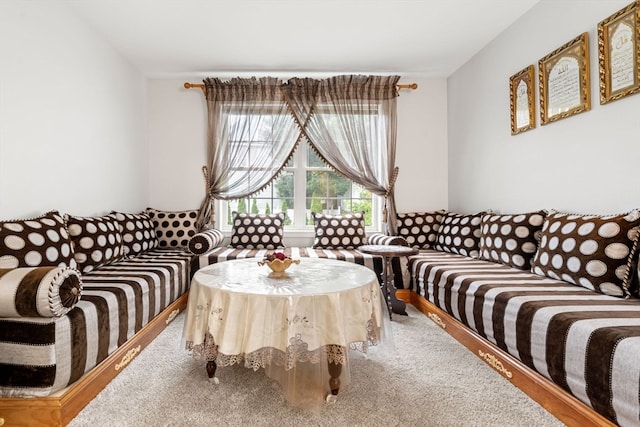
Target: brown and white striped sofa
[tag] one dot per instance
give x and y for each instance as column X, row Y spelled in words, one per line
column 79, row 299
column 548, row 299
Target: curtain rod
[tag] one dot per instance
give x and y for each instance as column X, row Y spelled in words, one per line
column 188, row 85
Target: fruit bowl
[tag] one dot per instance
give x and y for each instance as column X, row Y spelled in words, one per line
column 278, row 263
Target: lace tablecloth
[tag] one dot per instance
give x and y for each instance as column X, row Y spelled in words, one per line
column 239, row 313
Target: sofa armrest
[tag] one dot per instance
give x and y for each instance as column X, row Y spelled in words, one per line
column 38, row 291
column 383, row 239
column 204, row 241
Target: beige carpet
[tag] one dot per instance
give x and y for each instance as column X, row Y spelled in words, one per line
column 430, row 380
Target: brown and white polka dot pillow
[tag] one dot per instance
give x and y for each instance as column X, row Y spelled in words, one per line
column 96, row 241
column 419, row 228
column 174, row 228
column 511, row 239
column 138, row 232
column 595, row 252
column 36, row 242
column 256, row 231
column 459, row 234
column 339, row 231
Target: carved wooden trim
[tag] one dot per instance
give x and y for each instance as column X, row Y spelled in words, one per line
column 436, row 319
column 172, row 316
column 127, row 358
column 495, row 363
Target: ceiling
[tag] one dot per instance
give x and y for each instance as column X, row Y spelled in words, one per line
column 175, row 38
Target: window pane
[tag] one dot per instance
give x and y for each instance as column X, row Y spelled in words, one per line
column 313, row 160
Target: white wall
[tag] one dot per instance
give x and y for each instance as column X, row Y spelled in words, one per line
column 584, row 163
column 72, row 116
column 177, row 145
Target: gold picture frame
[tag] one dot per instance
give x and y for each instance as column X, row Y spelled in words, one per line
column 521, row 90
column 619, row 53
column 564, row 81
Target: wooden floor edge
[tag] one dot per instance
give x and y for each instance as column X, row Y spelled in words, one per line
column 60, row 409
column 555, row 400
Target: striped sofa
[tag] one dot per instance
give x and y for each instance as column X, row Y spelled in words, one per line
column 67, row 329
column 572, row 343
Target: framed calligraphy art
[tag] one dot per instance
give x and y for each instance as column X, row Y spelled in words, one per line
column 564, row 81
column 522, row 102
column 619, row 54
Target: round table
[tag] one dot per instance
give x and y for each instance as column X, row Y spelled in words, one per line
column 388, row 252
column 306, row 320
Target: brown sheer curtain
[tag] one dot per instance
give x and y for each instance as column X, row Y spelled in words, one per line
column 250, row 136
column 351, row 123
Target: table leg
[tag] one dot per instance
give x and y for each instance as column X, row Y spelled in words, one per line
column 211, row 371
column 395, row 305
column 335, row 369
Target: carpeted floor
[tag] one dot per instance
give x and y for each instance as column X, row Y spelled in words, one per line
column 430, row 380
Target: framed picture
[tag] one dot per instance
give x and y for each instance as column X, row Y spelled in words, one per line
column 564, row 81
column 619, row 54
column 522, row 103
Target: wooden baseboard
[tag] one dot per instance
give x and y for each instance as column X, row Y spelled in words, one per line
column 60, row 409
column 558, row 402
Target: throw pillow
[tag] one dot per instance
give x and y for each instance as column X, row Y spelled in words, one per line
column 138, row 232
column 595, row 252
column 39, row 291
column 511, row 239
column 96, row 241
column 174, row 228
column 459, row 234
column 339, row 231
column 257, row 231
column 205, row 240
column 419, row 228
column 35, row 242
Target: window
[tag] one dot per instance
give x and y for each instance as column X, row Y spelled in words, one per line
column 306, row 181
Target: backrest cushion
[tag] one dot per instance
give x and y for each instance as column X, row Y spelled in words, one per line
column 595, row 252
column 419, row 228
column 257, row 231
column 138, row 233
column 339, row 231
column 511, row 239
column 174, row 228
column 96, row 240
column 35, row 242
column 459, row 234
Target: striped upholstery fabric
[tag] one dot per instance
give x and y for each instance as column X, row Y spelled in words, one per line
column 38, row 291
column 204, row 241
column 220, row 254
column 117, row 301
column 586, row 342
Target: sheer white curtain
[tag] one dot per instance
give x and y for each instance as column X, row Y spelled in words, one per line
column 351, row 123
column 251, row 135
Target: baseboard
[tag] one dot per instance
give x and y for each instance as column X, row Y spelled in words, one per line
column 558, row 402
column 61, row 408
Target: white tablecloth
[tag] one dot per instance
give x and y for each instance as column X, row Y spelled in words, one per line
column 239, row 313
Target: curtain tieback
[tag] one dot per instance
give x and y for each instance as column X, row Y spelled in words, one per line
column 392, row 183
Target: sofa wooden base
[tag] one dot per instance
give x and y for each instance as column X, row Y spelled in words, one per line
column 558, row 402
column 61, row 408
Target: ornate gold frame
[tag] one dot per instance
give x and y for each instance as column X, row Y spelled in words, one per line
column 619, row 53
column 564, row 81
column 521, row 89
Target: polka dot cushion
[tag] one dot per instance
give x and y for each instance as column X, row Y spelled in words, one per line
column 594, row 252
column 459, row 234
column 419, row 228
column 96, row 241
column 339, row 231
column 35, row 242
column 174, row 229
column 256, row 231
column 138, row 233
column 511, row 239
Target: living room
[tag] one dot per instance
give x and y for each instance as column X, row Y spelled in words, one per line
column 84, row 131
